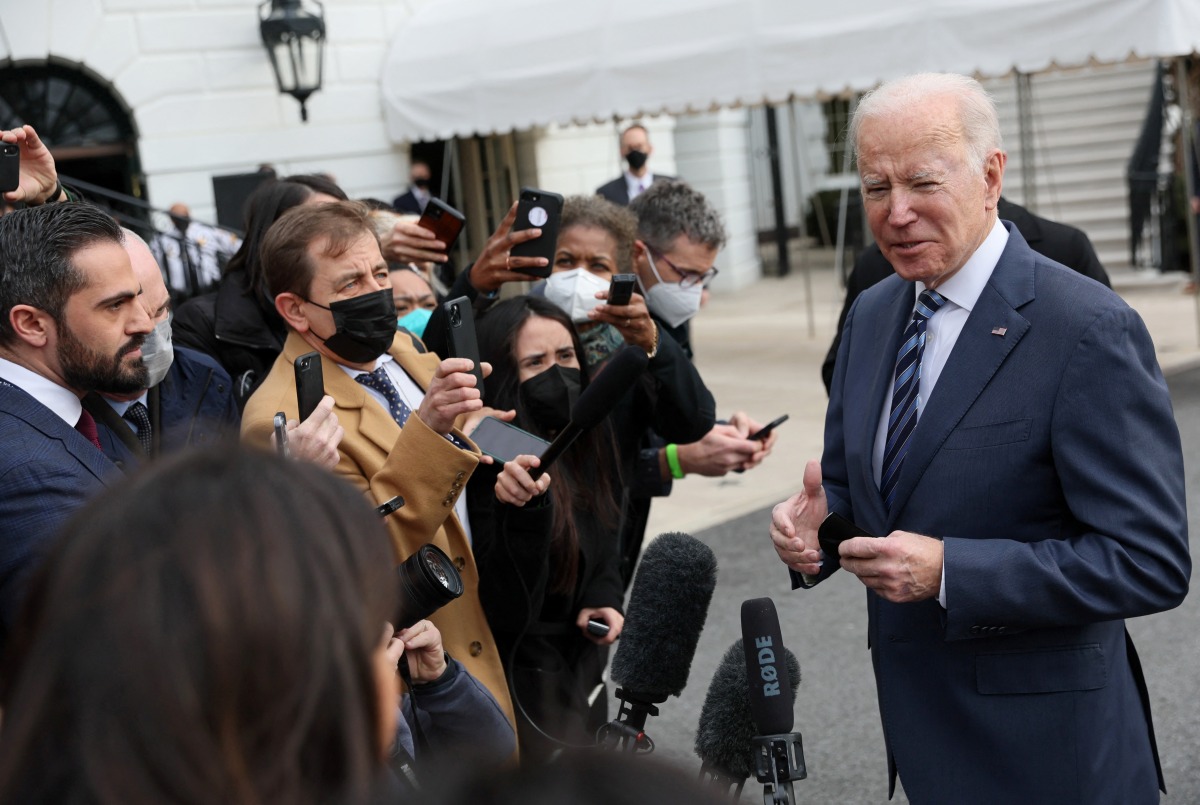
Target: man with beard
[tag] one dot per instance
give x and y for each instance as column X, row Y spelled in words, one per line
column 188, row 398
column 635, row 150
column 70, row 322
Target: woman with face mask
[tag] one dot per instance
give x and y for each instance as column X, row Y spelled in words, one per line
column 547, row 551
column 598, row 239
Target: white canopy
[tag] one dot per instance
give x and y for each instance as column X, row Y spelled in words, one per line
column 464, row 67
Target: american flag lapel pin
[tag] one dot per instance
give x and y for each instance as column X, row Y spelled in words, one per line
column 999, row 331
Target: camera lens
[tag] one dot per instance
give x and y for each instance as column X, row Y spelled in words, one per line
column 428, row 581
column 455, row 316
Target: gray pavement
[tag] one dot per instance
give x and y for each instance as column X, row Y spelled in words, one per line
column 756, row 353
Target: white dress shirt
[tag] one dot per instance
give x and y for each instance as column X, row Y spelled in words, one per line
column 59, row 399
column 123, row 406
column 636, row 185
column 961, row 292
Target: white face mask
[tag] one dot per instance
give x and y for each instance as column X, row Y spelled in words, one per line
column 670, row 301
column 157, row 352
column 575, row 292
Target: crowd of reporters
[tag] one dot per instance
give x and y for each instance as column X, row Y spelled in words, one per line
column 198, row 620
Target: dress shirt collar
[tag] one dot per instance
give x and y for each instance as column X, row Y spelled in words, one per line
column 59, row 399
column 122, row 407
column 964, row 288
column 638, row 184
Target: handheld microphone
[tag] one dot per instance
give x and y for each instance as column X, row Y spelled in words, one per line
column 667, row 609
column 778, row 752
column 595, row 403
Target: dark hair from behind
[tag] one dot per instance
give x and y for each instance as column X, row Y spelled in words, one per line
column 203, row 633
column 589, row 473
column 269, row 201
column 286, row 263
column 671, row 208
column 37, row 249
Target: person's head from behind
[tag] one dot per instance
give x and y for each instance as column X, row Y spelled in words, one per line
column 595, row 242
column 69, row 301
column 931, row 161
column 413, row 298
column 212, row 631
column 266, row 205
column 679, row 236
column 331, row 282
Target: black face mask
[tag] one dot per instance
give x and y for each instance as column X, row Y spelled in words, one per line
column 636, row 159
column 365, row 326
column 421, row 183
column 545, row 400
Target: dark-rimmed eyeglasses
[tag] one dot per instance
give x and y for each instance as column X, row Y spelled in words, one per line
column 690, row 277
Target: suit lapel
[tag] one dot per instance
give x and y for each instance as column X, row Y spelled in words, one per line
column 49, row 424
column 975, row 359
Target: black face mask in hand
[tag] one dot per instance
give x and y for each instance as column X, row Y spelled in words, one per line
column 545, row 400
column 365, row 326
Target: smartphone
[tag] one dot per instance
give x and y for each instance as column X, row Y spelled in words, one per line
column 766, row 431
column 538, row 209
column 281, row 442
column 835, row 530
column 504, row 442
column 310, row 383
column 442, row 220
column 460, row 335
column 10, row 166
column 389, row 506
column 620, row 290
column 597, row 627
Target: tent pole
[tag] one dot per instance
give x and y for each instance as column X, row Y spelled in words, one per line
column 781, row 233
column 843, row 203
column 1191, row 151
column 798, row 144
column 1025, row 137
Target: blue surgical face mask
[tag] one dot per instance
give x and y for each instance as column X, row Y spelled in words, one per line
column 415, row 320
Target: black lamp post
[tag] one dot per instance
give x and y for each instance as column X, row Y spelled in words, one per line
column 294, row 38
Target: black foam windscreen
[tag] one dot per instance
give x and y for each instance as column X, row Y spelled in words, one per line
column 667, row 609
column 771, row 693
column 601, row 395
column 726, row 723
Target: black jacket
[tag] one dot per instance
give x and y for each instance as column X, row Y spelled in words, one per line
column 617, row 191
column 240, row 331
column 1060, row 242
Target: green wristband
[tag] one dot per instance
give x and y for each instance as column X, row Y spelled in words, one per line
column 673, row 461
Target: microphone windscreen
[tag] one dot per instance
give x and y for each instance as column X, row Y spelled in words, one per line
column 602, row 394
column 667, row 608
column 771, row 690
column 726, row 724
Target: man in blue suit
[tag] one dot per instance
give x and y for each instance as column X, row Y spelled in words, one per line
column 1000, row 423
column 70, row 322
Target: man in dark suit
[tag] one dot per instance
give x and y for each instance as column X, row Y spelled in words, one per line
column 1060, row 242
column 414, row 199
column 1001, row 423
column 636, row 151
column 70, row 322
column 188, row 401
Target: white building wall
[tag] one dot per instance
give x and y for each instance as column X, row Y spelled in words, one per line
column 575, row 160
column 200, row 86
column 712, row 153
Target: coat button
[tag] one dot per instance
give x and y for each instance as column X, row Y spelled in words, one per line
column 976, row 630
column 460, row 563
column 460, row 475
column 476, row 648
column 449, row 501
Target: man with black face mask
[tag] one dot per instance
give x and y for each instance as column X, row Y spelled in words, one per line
column 635, row 151
column 398, row 404
column 187, row 400
column 418, row 194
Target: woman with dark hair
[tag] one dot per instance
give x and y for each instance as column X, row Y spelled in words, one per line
column 548, row 559
column 237, row 324
column 216, row 631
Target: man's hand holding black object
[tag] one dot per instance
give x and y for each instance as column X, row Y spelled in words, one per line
column 451, row 394
column 902, row 567
column 794, row 524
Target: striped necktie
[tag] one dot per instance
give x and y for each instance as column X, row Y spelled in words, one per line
column 906, row 393
column 379, row 381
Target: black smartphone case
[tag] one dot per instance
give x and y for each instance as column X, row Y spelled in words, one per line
column 620, row 290
column 835, row 530
column 460, row 335
column 310, row 383
column 549, row 203
column 10, row 167
column 504, row 441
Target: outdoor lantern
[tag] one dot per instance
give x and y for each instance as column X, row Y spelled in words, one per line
column 294, row 38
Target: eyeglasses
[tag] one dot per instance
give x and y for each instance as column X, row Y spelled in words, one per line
column 689, row 277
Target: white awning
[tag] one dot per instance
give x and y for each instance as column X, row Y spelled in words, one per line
column 464, row 67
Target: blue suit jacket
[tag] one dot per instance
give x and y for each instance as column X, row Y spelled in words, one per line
column 1048, row 460
column 47, row 471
